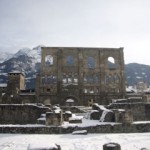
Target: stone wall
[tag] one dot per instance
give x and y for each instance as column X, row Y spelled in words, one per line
column 140, row 111
column 20, row 113
column 107, row 128
column 82, row 74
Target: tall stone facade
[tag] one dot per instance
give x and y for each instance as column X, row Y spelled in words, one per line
column 84, row 75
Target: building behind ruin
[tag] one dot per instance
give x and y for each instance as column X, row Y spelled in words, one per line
column 14, row 92
column 82, row 75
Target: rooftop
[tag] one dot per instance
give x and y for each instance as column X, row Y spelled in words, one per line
column 17, row 72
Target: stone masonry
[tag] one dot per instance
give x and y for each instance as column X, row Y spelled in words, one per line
column 85, row 75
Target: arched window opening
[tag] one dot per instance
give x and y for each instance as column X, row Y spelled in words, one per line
column 90, row 63
column 70, row 60
column 111, row 63
column 49, row 60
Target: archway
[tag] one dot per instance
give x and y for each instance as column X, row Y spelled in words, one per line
column 111, row 62
column 71, row 100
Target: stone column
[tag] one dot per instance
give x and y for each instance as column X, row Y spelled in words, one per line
column 122, row 72
column 80, row 75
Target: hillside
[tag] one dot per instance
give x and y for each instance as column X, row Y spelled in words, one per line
column 135, row 72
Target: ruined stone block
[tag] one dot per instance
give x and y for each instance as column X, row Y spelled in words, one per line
column 127, row 117
column 124, row 116
column 67, row 115
column 94, row 115
column 54, row 118
column 107, row 116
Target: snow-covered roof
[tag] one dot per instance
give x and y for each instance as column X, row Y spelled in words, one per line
column 17, row 72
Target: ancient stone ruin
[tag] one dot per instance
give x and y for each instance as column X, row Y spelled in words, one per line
column 55, row 117
column 80, row 76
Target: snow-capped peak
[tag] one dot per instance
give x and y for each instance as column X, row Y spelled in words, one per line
column 34, row 53
column 5, row 56
column 23, row 51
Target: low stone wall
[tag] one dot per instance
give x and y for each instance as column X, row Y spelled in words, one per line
column 20, row 113
column 141, row 111
column 147, row 111
column 107, row 128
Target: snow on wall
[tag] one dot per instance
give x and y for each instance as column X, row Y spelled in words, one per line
column 103, row 116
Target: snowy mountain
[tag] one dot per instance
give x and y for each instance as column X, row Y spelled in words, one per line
column 28, row 61
column 5, row 56
column 136, row 73
column 34, row 53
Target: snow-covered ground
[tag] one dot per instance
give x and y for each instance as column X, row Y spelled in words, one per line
column 131, row 141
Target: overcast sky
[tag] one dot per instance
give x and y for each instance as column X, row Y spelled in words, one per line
column 84, row 23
